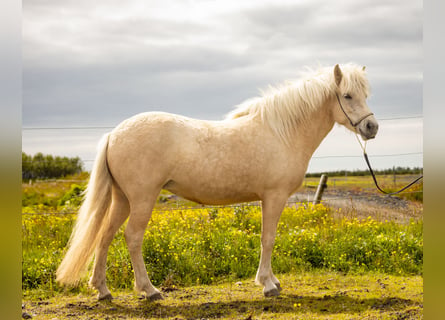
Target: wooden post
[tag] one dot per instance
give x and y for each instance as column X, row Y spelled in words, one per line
column 321, row 186
column 394, row 176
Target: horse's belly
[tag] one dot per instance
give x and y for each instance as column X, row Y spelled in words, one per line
column 211, row 194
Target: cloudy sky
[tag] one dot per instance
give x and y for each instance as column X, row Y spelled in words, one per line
column 94, row 64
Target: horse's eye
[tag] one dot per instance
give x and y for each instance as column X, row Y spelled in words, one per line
column 347, row 96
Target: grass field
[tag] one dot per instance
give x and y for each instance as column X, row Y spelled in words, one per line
column 204, row 259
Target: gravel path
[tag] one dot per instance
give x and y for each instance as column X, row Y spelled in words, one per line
column 362, row 203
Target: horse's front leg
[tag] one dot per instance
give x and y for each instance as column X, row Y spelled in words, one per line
column 271, row 212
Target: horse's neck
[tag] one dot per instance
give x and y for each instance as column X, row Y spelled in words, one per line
column 311, row 134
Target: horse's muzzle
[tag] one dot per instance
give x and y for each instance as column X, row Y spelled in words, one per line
column 368, row 128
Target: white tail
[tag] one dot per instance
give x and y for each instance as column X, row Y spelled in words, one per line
column 88, row 229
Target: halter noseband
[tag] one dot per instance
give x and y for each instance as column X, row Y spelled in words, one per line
column 354, row 124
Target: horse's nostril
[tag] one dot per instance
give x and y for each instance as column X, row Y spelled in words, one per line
column 371, row 126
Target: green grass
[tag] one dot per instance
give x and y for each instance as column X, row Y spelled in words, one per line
column 53, row 196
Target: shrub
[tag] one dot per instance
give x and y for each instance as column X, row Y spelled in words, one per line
column 73, row 197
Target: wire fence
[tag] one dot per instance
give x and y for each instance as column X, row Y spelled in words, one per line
column 112, row 127
column 345, row 156
column 407, row 117
column 178, row 206
column 256, row 203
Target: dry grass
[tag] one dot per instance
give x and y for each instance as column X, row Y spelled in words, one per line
column 363, row 209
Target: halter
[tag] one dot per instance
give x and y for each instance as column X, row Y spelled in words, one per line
column 365, row 155
column 350, row 121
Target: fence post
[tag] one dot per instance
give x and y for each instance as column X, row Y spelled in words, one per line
column 321, row 186
column 394, row 175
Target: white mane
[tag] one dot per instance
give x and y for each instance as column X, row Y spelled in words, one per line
column 291, row 104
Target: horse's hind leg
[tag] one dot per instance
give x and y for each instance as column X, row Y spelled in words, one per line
column 119, row 211
column 134, row 233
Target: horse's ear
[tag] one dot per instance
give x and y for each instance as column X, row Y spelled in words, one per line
column 364, row 67
column 338, row 75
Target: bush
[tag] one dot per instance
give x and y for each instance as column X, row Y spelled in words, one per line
column 73, row 197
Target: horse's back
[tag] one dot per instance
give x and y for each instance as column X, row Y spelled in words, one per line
column 205, row 161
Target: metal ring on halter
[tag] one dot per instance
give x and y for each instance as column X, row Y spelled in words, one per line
column 350, row 121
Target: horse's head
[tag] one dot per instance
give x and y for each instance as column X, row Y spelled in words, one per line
column 350, row 108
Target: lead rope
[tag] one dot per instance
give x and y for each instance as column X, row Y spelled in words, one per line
column 365, row 155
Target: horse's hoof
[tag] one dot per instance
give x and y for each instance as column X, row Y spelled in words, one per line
column 154, row 297
column 272, row 293
column 278, row 287
column 107, row 297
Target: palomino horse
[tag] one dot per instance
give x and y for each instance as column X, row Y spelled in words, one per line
column 259, row 152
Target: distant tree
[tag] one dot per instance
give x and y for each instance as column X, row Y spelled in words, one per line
column 42, row 166
column 26, row 166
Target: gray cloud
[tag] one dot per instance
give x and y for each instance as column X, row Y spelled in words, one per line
column 319, row 24
column 96, row 63
column 85, row 63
